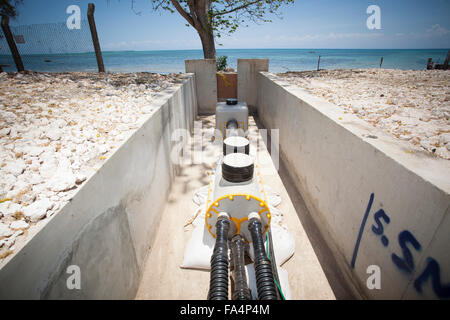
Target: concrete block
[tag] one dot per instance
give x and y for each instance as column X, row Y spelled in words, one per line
column 248, row 70
column 206, row 83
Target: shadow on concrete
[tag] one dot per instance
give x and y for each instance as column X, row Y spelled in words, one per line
column 324, row 254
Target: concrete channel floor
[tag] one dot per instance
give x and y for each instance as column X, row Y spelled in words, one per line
column 164, row 279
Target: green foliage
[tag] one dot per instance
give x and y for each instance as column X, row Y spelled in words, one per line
column 226, row 16
column 9, row 7
column 221, row 63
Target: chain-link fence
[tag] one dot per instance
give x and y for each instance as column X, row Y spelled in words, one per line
column 50, row 47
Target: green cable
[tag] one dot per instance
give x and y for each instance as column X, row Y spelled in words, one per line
column 268, row 256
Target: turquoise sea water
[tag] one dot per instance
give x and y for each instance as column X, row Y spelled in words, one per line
column 280, row 60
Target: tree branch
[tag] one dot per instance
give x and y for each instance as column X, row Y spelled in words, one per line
column 193, row 14
column 236, row 8
column 183, row 13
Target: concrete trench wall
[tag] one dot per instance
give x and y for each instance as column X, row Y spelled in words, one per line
column 205, row 71
column 109, row 225
column 248, row 70
column 358, row 183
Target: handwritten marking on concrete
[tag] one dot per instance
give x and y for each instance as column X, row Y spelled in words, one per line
column 361, row 230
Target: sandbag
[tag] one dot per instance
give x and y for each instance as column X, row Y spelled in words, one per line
column 283, row 244
column 198, row 251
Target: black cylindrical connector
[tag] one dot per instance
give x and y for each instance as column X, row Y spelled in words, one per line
column 237, row 167
column 218, row 285
column 236, row 144
column 263, row 268
column 241, row 290
column 232, row 124
column 231, row 102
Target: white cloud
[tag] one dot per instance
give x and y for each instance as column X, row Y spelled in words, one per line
column 438, row 30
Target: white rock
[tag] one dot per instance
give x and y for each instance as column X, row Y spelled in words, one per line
column 5, row 231
column 7, row 182
column 38, row 209
column 61, row 123
column 20, row 186
column 444, row 139
column 80, row 178
column 19, row 224
column 62, row 180
column 89, row 134
column 33, row 151
column 54, row 134
column 15, row 167
column 9, row 241
column 103, row 149
column 443, row 152
column 8, row 208
column 9, row 146
column 48, row 167
column 4, row 132
column 66, row 152
column 35, row 165
column 3, row 208
column 9, row 116
column 13, row 134
column 35, row 179
column 27, row 197
column 12, row 239
column 43, row 122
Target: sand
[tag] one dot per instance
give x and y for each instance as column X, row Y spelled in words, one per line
column 56, row 130
column 412, row 105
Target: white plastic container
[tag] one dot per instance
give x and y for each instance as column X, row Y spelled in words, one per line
column 233, row 114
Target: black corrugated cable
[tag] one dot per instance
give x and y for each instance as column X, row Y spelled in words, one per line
column 241, row 290
column 263, row 268
column 218, row 285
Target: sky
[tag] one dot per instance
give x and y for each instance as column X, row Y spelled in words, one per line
column 336, row 24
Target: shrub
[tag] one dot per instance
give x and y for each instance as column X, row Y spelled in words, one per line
column 221, row 63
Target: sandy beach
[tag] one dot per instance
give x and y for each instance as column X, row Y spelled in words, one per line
column 56, row 130
column 412, row 105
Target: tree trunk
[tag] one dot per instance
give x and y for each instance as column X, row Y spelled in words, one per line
column 198, row 16
column 204, row 28
column 209, row 48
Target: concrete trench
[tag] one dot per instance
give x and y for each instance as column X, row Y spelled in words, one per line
column 125, row 228
column 163, row 278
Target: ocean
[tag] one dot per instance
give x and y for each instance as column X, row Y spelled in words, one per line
column 280, row 60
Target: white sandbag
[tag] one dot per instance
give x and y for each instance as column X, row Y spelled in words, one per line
column 198, row 251
column 273, row 197
column 283, row 244
column 200, row 195
column 277, row 215
column 282, row 275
